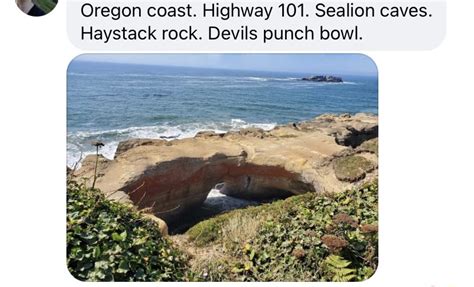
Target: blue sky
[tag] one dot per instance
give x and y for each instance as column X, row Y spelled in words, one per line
column 340, row 64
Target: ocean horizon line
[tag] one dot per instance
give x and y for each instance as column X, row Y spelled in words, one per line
column 300, row 74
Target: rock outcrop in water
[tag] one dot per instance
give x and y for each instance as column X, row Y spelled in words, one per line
column 323, row 79
column 172, row 176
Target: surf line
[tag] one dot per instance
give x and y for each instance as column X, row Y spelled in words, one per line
column 235, row 11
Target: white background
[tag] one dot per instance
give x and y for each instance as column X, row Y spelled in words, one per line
column 426, row 155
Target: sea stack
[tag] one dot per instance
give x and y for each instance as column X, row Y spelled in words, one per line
column 323, row 79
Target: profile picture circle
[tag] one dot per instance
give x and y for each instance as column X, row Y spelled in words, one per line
column 36, row 8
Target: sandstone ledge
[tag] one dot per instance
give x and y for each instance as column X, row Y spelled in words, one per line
column 172, row 176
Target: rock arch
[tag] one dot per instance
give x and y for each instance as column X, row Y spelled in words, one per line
column 172, row 188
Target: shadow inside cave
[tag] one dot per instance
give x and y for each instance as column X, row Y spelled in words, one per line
column 216, row 203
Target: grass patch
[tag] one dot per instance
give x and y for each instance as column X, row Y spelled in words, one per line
column 371, row 146
column 232, row 223
column 352, row 168
column 238, row 229
column 206, row 231
column 211, row 268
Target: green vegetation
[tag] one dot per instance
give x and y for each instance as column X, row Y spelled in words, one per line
column 231, row 224
column 371, row 146
column 303, row 238
column 352, row 168
column 45, row 5
column 310, row 237
column 109, row 241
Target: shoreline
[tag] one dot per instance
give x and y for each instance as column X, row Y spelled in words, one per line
column 180, row 133
column 169, row 132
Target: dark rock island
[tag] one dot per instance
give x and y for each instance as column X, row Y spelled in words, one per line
column 323, row 79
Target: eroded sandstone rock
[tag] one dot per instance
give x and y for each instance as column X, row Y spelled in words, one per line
column 160, row 222
column 172, row 176
column 129, row 144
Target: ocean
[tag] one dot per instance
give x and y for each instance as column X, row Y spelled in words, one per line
column 112, row 102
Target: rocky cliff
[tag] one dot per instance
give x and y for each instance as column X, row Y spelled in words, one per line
column 327, row 154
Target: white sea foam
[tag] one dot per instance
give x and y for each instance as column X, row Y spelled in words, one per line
column 264, row 79
column 257, row 79
column 211, row 78
column 217, row 200
column 78, row 74
column 79, row 143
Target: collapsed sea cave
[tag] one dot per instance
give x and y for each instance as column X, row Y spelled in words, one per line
column 190, row 193
column 188, row 180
